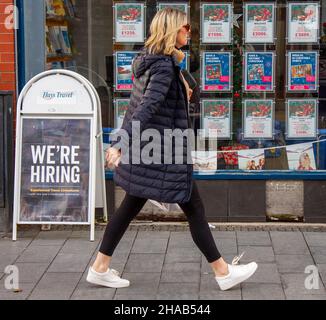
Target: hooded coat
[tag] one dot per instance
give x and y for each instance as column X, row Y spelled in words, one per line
column 158, row 101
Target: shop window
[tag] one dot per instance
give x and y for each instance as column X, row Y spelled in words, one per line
column 260, row 69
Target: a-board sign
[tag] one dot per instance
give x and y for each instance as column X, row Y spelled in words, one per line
column 59, row 163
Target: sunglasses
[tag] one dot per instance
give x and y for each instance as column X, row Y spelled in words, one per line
column 187, row 27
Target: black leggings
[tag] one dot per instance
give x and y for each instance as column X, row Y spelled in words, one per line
column 194, row 211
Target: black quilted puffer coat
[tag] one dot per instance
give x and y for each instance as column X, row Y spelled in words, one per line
column 158, row 101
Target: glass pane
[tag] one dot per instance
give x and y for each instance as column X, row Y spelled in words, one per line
column 86, row 44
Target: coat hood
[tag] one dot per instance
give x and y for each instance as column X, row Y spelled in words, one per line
column 144, row 60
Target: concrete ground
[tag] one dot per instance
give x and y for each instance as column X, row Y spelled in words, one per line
column 163, row 265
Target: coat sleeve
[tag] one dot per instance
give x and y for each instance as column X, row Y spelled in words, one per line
column 161, row 77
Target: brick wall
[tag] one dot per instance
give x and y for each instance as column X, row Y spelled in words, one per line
column 7, row 50
column 7, row 55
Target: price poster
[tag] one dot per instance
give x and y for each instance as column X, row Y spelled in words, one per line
column 120, row 108
column 302, row 118
column 216, row 71
column 182, row 6
column 302, row 71
column 129, row 22
column 259, row 71
column 259, row 22
column 123, row 70
column 258, row 119
column 303, row 22
column 217, row 23
column 216, row 118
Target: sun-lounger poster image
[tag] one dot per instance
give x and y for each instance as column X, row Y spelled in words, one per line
column 216, row 71
column 259, row 22
column 259, row 71
column 303, row 22
column 302, row 71
column 123, row 71
column 129, row 22
column 217, row 22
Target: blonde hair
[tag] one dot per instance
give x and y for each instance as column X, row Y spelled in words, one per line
column 164, row 30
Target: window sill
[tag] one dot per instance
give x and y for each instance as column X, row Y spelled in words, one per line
column 252, row 175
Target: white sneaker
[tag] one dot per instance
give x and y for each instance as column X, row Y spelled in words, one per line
column 237, row 274
column 110, row 278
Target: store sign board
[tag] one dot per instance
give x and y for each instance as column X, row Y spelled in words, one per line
column 57, row 163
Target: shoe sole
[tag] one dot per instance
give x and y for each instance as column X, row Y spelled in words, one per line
column 227, row 287
column 106, row 283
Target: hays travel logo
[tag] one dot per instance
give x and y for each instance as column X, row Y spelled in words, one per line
column 57, row 97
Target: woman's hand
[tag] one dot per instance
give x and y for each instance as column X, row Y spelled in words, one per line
column 190, row 93
column 112, row 158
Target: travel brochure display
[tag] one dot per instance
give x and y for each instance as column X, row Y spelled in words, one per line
column 259, row 22
column 184, row 65
column 301, row 156
column 253, row 159
column 302, row 71
column 217, row 23
column 216, row 118
column 120, row 108
column 258, row 119
column 259, row 71
column 303, row 22
column 123, row 72
column 302, row 118
column 216, row 71
column 183, row 6
column 129, row 22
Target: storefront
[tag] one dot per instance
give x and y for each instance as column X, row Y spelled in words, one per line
column 261, row 94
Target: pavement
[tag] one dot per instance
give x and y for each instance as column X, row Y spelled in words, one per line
column 164, row 265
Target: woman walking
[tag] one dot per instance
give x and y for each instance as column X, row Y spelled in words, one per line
column 160, row 101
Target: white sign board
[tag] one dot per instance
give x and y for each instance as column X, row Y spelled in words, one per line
column 59, row 165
